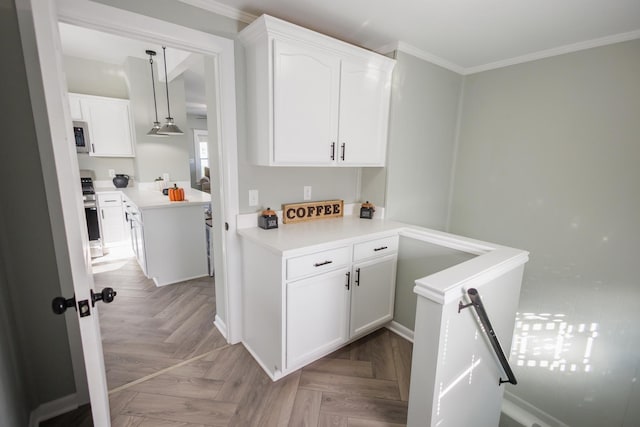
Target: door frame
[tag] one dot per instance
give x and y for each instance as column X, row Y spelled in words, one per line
column 54, row 110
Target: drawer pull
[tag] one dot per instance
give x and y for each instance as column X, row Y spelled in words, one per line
column 381, row 248
column 320, row 264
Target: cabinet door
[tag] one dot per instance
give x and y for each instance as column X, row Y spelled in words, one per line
column 74, row 107
column 112, row 219
column 373, row 294
column 138, row 235
column 316, row 316
column 305, row 99
column 109, row 126
column 364, row 114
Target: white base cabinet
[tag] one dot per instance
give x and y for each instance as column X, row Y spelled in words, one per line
column 316, row 316
column 169, row 242
column 112, row 220
column 372, row 297
column 303, row 304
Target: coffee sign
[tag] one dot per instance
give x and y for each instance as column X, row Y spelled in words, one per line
column 298, row 212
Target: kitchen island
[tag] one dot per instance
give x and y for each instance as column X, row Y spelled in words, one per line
column 167, row 237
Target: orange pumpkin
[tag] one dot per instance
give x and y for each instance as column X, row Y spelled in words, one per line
column 176, row 194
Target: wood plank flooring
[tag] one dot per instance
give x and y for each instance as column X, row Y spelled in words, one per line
column 163, row 373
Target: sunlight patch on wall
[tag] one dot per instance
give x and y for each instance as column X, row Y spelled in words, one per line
column 550, row 342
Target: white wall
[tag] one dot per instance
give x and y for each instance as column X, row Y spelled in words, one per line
column 548, row 162
column 155, row 155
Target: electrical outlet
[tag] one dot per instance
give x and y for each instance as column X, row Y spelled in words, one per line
column 165, row 176
column 307, row 192
column 253, row 197
column 112, row 173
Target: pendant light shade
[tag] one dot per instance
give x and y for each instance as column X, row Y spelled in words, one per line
column 169, row 127
column 156, row 124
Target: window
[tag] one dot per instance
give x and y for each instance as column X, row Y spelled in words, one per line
column 201, row 139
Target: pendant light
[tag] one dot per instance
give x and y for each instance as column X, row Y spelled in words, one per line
column 169, row 128
column 156, row 125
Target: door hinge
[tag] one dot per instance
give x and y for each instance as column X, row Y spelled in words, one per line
column 226, row 226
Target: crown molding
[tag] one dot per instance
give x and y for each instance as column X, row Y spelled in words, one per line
column 221, row 9
column 561, row 50
column 426, row 56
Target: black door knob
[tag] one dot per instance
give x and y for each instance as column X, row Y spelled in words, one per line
column 60, row 304
column 107, row 295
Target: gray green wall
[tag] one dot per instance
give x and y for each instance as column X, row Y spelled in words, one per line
column 548, row 162
column 14, row 402
column 418, row 259
column 34, row 348
column 422, row 125
column 154, row 155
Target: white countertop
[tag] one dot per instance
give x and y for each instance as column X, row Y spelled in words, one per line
column 301, row 238
column 289, row 237
column 152, row 198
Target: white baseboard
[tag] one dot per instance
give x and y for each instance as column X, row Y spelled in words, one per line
column 526, row 414
column 52, row 409
column 222, row 327
column 401, row 330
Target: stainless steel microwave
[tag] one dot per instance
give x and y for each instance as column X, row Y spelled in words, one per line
column 81, row 134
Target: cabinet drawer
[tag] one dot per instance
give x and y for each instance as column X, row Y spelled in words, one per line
column 374, row 248
column 317, row 263
column 109, row 199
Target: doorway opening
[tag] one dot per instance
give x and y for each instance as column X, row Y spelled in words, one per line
column 148, row 329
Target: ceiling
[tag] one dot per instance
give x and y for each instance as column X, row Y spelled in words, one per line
column 84, row 43
column 463, row 35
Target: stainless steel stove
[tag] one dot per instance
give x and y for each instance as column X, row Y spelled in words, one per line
column 91, row 213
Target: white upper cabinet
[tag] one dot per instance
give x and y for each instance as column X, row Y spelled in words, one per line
column 305, row 117
column 110, row 125
column 364, row 113
column 314, row 100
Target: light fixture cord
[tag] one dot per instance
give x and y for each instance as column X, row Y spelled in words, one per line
column 153, row 86
column 166, row 80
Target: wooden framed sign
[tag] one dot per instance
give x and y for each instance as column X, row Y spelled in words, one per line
column 309, row 211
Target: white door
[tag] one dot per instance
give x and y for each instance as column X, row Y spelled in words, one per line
column 373, row 294
column 305, row 97
column 316, row 316
column 60, row 163
column 364, row 113
column 68, row 190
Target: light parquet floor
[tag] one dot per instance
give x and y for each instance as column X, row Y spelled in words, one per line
column 175, row 370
